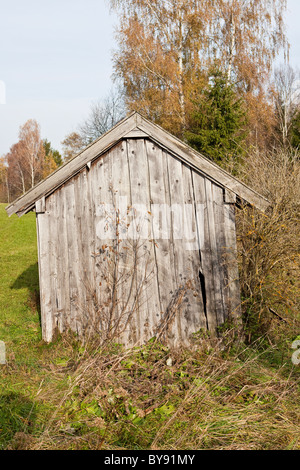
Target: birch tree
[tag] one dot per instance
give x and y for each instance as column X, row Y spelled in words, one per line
column 158, row 57
column 26, row 163
column 247, row 35
column 31, row 151
column 286, row 100
column 4, row 190
column 167, row 47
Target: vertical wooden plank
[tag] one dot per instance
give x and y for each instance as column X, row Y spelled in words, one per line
column 56, row 260
column 218, row 197
column 206, row 268
column 63, row 257
column 123, row 253
column 51, row 206
column 151, row 285
column 73, row 256
column 90, row 220
column 161, row 229
column 189, row 309
column 148, row 304
column 84, row 267
column 101, row 190
column 43, row 238
column 88, row 244
column 136, row 325
column 234, row 296
column 192, row 254
column 214, row 253
column 176, row 197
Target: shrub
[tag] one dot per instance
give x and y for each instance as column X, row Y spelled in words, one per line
column 269, row 243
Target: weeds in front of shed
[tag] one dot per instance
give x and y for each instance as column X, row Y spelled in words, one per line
column 120, row 290
column 217, row 395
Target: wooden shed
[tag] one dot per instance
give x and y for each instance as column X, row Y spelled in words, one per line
column 137, row 238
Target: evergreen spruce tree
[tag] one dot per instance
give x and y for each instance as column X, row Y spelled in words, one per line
column 51, row 153
column 217, row 124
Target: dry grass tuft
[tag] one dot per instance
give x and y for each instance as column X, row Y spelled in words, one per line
column 218, row 396
column 269, row 246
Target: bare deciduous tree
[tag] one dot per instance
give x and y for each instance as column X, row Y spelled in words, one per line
column 286, row 99
column 103, row 116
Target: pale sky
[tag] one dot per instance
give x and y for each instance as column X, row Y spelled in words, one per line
column 55, row 61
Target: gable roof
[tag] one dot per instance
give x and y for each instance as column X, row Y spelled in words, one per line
column 132, row 126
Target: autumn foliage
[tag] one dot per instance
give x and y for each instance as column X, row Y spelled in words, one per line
column 166, row 49
column 28, row 162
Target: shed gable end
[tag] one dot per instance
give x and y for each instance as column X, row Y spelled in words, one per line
column 134, row 126
column 137, row 244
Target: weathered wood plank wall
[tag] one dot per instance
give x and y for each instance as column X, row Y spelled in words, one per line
column 172, row 275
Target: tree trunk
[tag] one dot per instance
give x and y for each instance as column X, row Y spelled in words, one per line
column 181, row 73
column 7, row 189
column 32, row 176
column 22, row 178
column 181, row 92
column 231, row 48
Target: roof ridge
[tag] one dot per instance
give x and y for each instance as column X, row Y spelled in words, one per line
column 124, row 127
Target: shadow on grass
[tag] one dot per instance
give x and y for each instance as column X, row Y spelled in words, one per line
column 17, row 421
column 29, row 279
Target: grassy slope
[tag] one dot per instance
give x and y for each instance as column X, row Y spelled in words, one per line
column 66, row 396
column 19, row 320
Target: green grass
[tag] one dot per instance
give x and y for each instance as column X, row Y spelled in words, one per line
column 19, row 313
column 19, row 317
column 69, row 396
